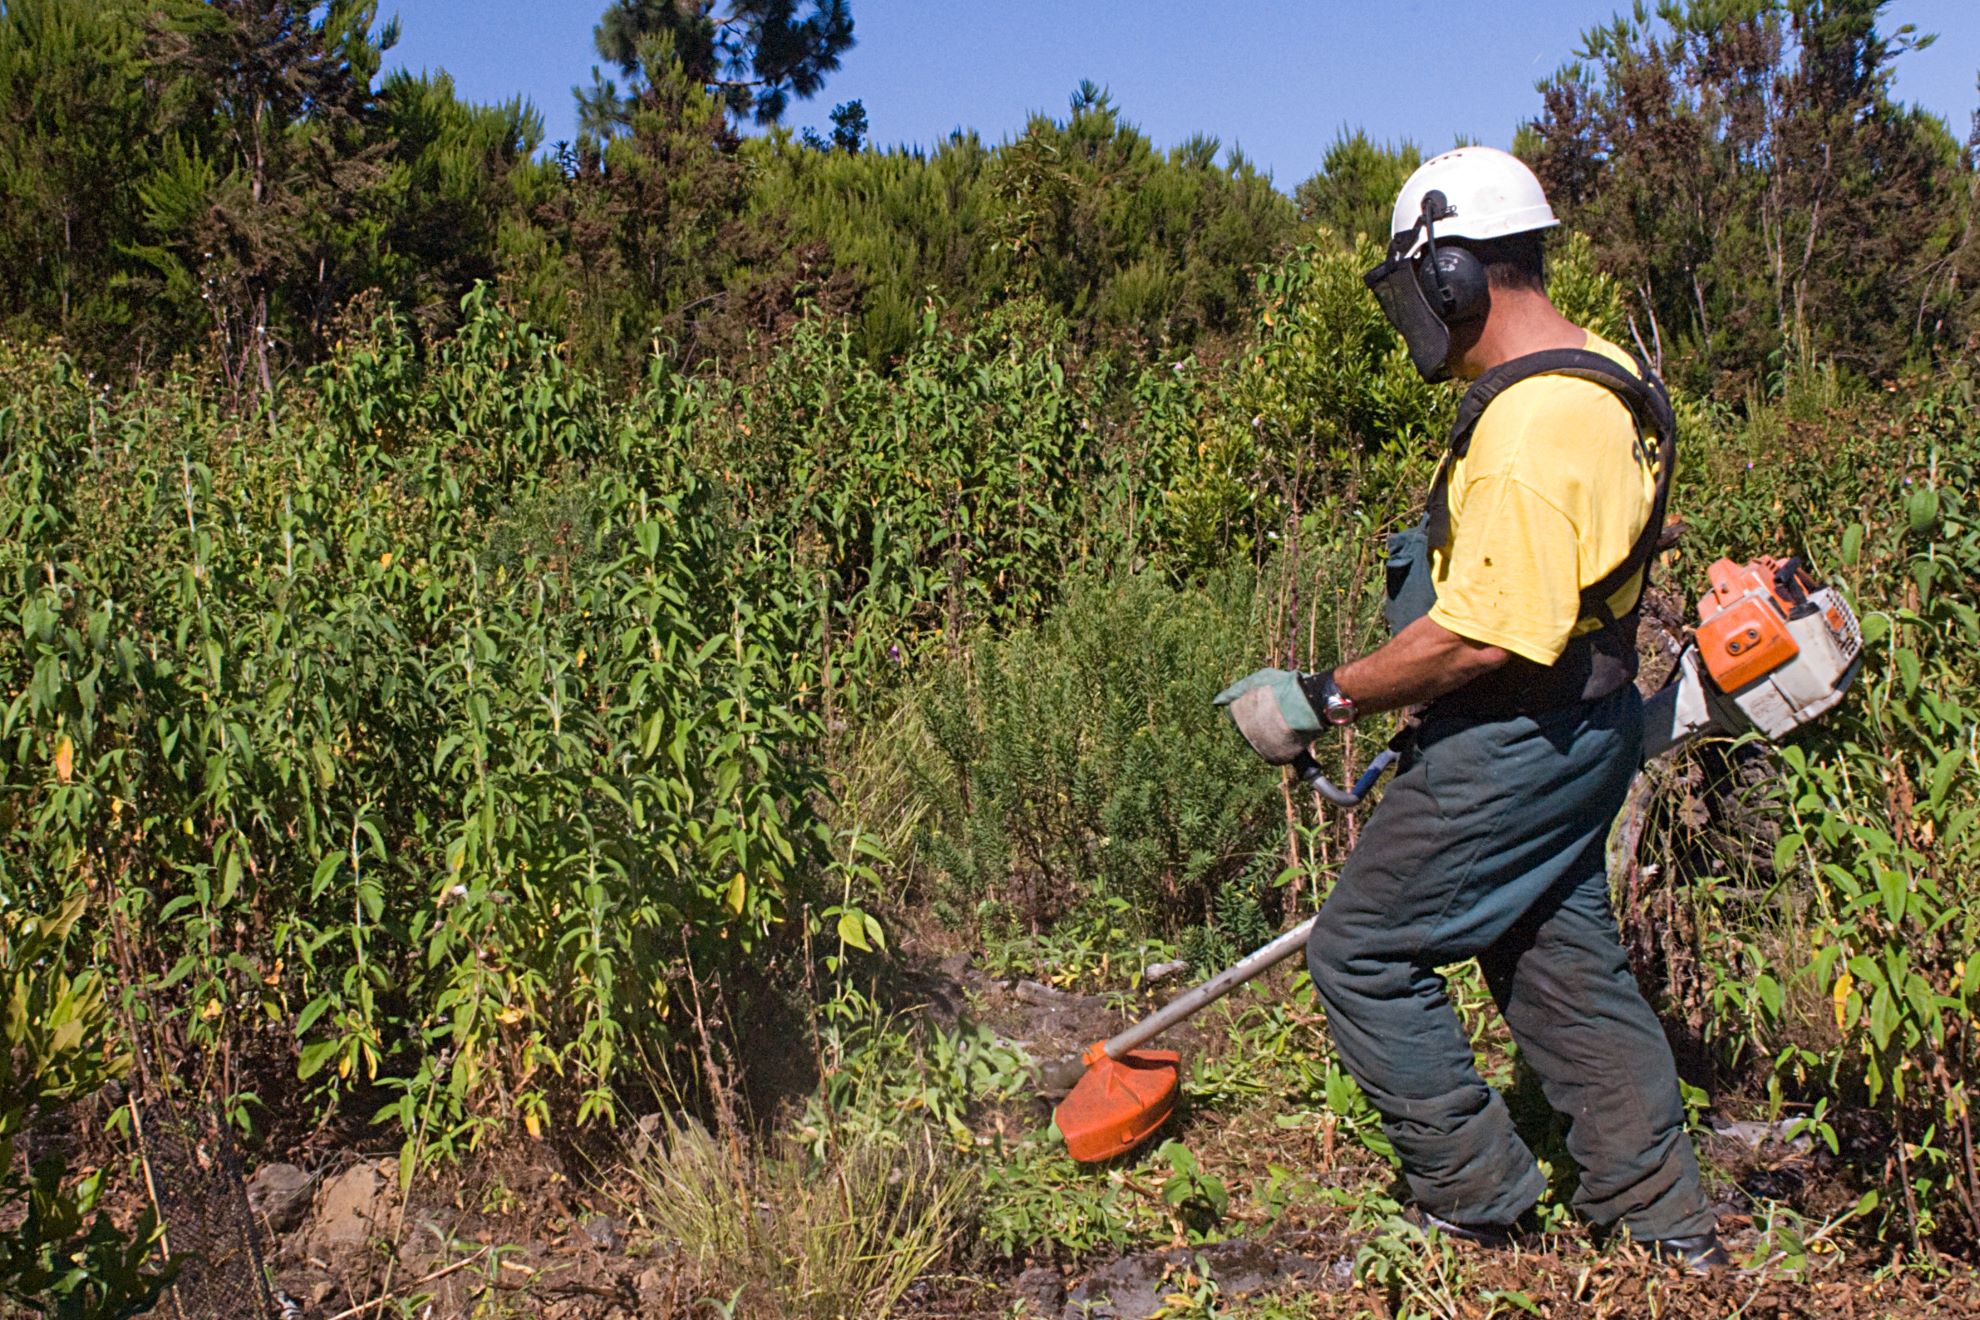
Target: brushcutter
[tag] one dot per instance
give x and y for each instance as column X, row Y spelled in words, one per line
column 1773, row 651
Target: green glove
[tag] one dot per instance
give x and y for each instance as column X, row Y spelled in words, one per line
column 1271, row 710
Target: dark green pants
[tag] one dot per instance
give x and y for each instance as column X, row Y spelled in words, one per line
column 1489, row 845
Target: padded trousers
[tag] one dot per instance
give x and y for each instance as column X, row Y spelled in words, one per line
column 1489, row 844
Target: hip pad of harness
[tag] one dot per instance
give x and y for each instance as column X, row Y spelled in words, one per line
column 1410, row 592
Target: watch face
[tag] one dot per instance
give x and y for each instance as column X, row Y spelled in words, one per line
column 1340, row 710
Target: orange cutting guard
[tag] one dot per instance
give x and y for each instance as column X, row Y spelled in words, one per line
column 1118, row 1103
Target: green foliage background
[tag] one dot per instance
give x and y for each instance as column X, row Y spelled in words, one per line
column 475, row 618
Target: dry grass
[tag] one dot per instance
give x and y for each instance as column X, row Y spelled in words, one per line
column 781, row 1234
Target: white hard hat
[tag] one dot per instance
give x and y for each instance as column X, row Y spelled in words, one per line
column 1488, row 193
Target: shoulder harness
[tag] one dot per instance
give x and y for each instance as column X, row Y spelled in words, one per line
column 1656, row 426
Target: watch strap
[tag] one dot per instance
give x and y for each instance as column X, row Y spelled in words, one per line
column 1326, row 697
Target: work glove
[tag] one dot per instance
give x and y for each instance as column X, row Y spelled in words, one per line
column 1271, row 710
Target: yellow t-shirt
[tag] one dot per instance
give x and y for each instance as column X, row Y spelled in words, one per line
column 1550, row 497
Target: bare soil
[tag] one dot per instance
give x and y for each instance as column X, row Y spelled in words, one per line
column 519, row 1233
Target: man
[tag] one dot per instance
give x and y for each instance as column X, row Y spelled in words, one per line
column 1514, row 610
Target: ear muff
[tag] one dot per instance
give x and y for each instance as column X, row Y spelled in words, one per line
column 1452, row 278
column 1454, row 282
column 1425, row 291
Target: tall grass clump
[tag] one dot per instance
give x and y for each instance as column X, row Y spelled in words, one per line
column 784, row 1233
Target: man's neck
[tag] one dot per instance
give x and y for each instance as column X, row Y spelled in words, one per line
column 1520, row 322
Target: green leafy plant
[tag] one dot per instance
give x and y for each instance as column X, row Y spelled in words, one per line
column 61, row 1254
column 1839, row 948
column 1032, row 1197
column 1424, row 1277
column 1196, row 1199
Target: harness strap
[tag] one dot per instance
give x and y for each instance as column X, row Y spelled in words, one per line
column 1649, row 406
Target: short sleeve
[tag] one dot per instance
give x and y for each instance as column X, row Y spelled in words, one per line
column 1511, row 576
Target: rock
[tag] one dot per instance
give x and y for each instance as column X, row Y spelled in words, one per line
column 348, row 1208
column 1756, row 1135
column 1041, row 1290
column 654, row 1291
column 1130, row 1288
column 647, row 1128
column 279, row 1195
column 1162, row 971
column 604, row 1232
column 1057, row 1077
column 1137, row 1287
column 1039, row 995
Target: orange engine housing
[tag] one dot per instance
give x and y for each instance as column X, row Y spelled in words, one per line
column 1742, row 629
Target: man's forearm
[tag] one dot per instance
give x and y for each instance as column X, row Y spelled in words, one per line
column 1421, row 663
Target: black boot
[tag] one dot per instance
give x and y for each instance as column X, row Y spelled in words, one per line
column 1701, row 1253
column 1484, row 1235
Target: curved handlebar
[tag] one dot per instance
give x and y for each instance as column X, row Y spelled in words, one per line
column 1309, row 770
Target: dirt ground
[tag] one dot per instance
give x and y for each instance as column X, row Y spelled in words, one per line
column 522, row 1234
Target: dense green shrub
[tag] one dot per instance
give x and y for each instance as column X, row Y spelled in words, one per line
column 447, row 740
column 1087, row 761
column 462, row 720
column 1832, row 925
column 957, row 490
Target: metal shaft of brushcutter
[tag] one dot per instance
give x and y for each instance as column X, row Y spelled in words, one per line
column 1284, row 947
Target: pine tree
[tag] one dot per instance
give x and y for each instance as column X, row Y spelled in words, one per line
column 754, row 57
column 1355, row 190
column 75, row 115
column 458, row 181
column 1750, row 178
column 638, row 245
column 267, row 169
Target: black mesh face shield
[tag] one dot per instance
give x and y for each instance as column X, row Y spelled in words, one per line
column 1396, row 286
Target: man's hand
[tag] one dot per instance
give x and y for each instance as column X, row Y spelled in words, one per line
column 1272, row 712
column 1419, row 664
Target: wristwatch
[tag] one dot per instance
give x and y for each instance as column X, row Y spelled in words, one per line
column 1328, row 701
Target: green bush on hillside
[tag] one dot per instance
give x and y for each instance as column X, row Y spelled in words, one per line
column 1087, row 762
column 449, row 742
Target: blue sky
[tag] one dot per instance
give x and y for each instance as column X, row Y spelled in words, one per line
column 1276, row 77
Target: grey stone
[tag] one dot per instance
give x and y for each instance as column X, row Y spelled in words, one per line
column 1039, row 995
column 1137, row 1287
column 1041, row 1289
column 1756, row 1135
column 279, row 1195
column 604, row 1232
